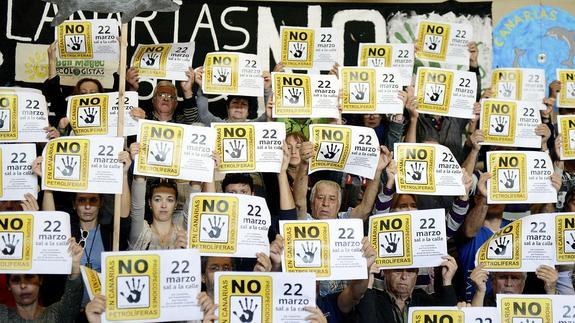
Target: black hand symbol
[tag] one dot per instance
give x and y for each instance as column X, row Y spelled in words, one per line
column 377, row 62
column 90, row 115
column 3, row 118
column 509, row 179
column 416, row 171
column 222, row 75
column 162, row 149
column 309, row 252
column 69, row 165
column 215, row 227
column 572, row 89
column 135, row 291
column 294, row 95
column 501, row 244
column 360, row 91
column 501, row 122
column 151, row 59
column 9, row 244
column 332, row 150
column 572, row 244
column 435, row 92
column 298, row 50
column 506, row 90
column 236, row 147
column 392, row 241
column 76, row 42
column 248, row 311
column 432, row 44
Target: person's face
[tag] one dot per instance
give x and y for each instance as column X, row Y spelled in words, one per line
column 293, row 146
column 508, row 283
column 405, row 202
column 25, row 288
column 371, row 120
column 165, row 101
column 213, row 265
column 88, row 87
column 400, row 282
column 87, row 206
column 163, row 203
column 325, row 203
column 238, row 109
column 238, row 188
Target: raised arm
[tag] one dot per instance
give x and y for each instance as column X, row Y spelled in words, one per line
column 286, row 196
column 206, row 116
column 124, row 157
column 474, row 220
column 353, row 293
column 301, row 180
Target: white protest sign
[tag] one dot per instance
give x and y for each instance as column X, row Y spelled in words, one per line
column 566, row 95
column 520, row 177
column 35, row 242
column 427, row 169
column 524, row 84
column 92, row 281
column 329, row 248
column 17, row 177
column 444, row 42
column 510, row 123
column 169, row 150
column 425, row 314
column 305, row 96
column 250, row 147
column 97, row 114
column 350, row 149
column 412, row 239
column 536, row 308
column 400, row 56
column 165, row 61
column 309, row 48
column 371, row 90
column 228, row 225
column 263, row 297
column 566, row 130
column 232, row 73
column 83, row 164
column 151, row 286
column 446, row 92
column 23, row 115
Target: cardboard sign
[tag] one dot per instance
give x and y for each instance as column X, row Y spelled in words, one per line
column 165, row 61
column 446, row 92
column 232, row 73
column 263, row 297
column 151, row 286
column 23, row 115
column 427, row 169
column 35, row 243
column 400, row 56
column 309, row 48
column 535, row 308
column 349, row 149
column 566, row 98
column 412, row 239
column 17, row 177
column 566, row 129
column 228, row 225
column 83, row 164
column 329, row 248
column 424, row 314
column 444, row 42
column 520, row 177
column 169, row 150
column 523, row 84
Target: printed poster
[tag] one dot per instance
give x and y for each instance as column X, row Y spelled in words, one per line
column 23, row 115
column 164, row 61
column 523, row 84
column 444, row 42
column 232, row 73
column 566, row 129
column 535, row 308
column 424, row 314
column 566, row 95
column 17, row 176
column 309, row 48
column 399, row 55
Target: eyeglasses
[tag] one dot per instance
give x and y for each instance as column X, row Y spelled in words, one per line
column 166, row 96
column 83, row 237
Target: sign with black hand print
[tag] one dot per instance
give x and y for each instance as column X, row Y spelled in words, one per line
column 34, row 242
column 565, row 233
column 23, row 115
column 247, row 297
column 535, row 308
column 329, row 248
column 409, row 239
column 566, row 129
column 523, row 84
column 444, row 42
column 232, row 73
column 309, row 48
column 424, row 314
column 17, row 177
column 166, row 61
column 151, row 286
column 398, row 55
column 75, row 39
column 230, row 225
column 566, row 95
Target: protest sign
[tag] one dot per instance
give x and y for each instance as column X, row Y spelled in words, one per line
column 263, row 297
column 444, row 42
column 228, row 225
column 92, row 281
column 427, row 169
column 371, row 90
column 566, row 130
column 329, row 248
column 350, row 149
column 305, row 96
column 83, row 164
column 151, row 286
column 519, row 177
column 444, row 92
column 426, row 314
column 232, row 73
column 169, row 150
column 399, row 55
column 309, row 48
column 165, row 61
column 23, row 115
column 566, row 95
column 17, row 177
column 250, row 147
column 35, row 242
column 536, row 308
column 411, row 239
column 510, row 123
column 524, row 84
